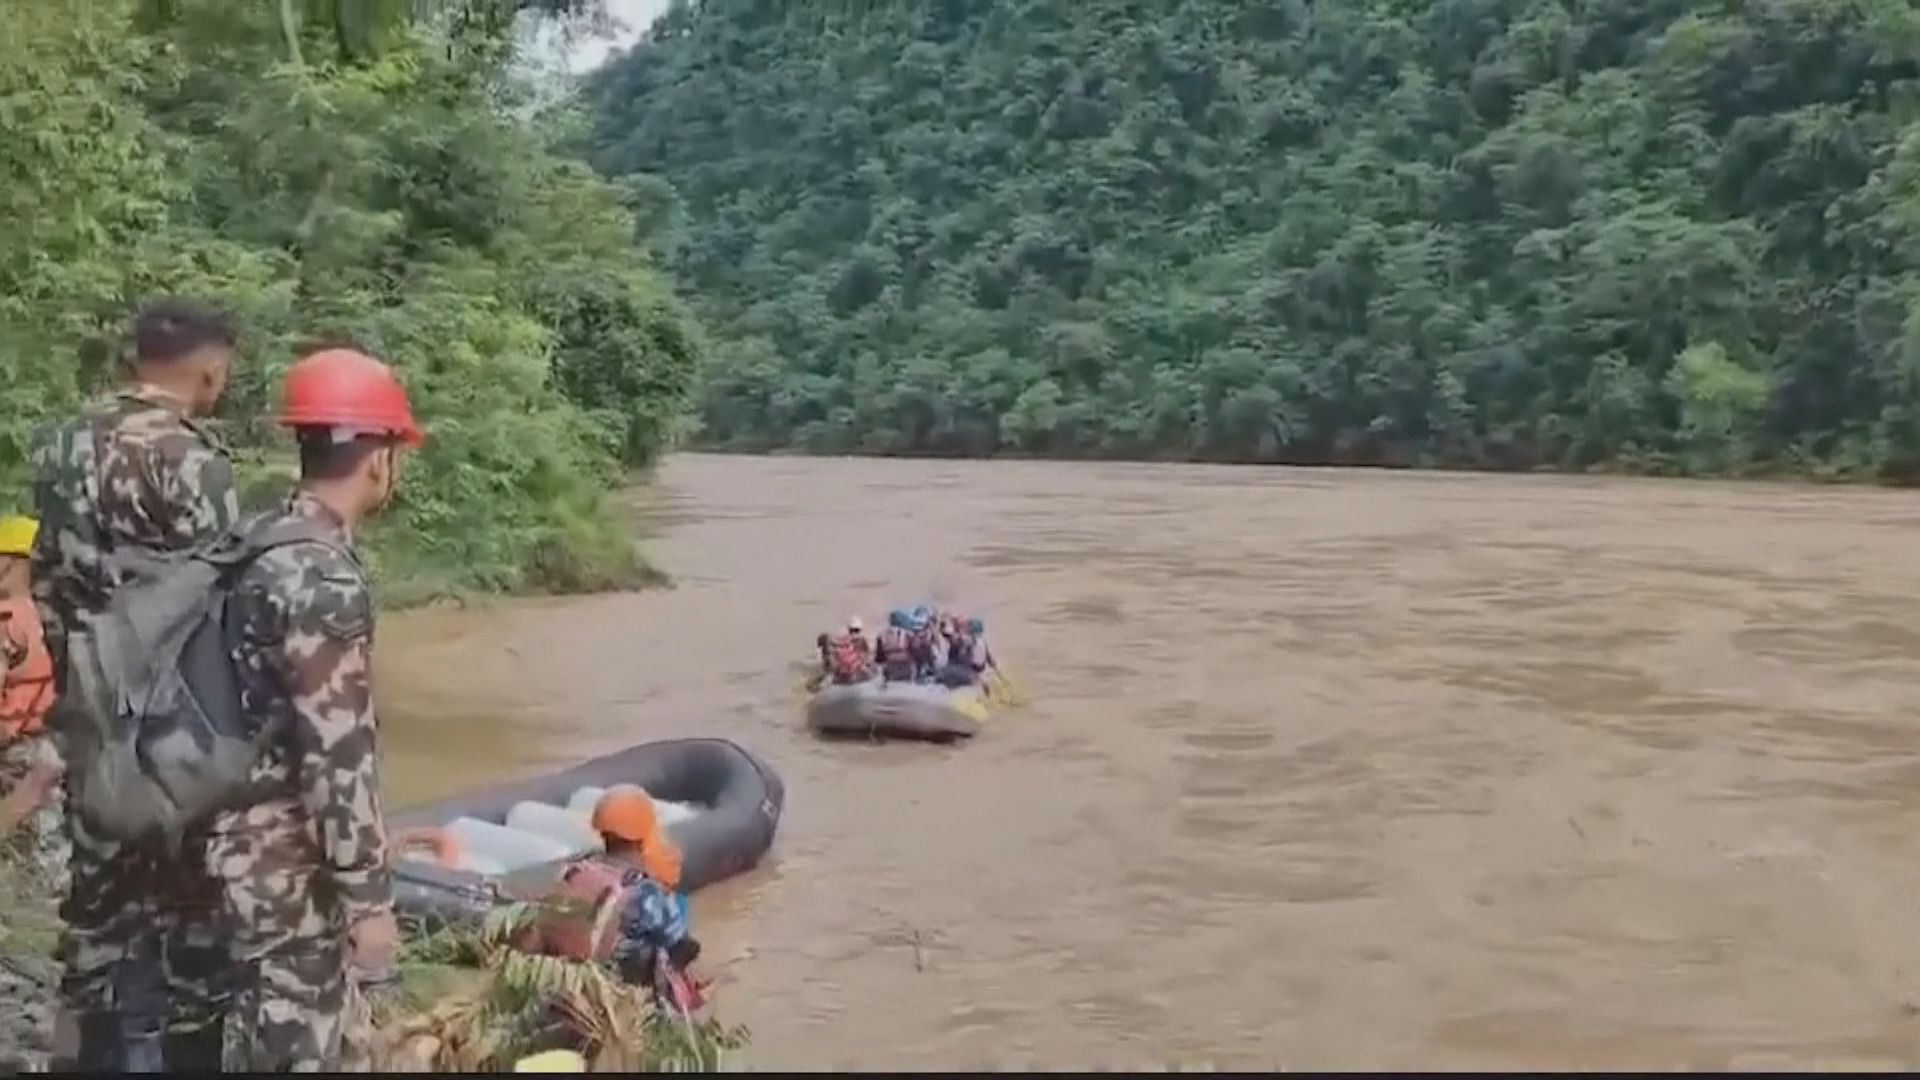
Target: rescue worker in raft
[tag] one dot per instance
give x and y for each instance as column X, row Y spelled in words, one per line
column 968, row 657
column 857, row 633
column 846, row 659
column 924, row 633
column 894, row 650
column 952, row 628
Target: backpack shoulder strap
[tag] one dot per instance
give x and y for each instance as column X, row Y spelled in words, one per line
column 92, row 481
column 284, row 531
column 244, row 545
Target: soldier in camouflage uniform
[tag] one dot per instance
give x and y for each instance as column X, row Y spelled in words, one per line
column 145, row 976
column 304, row 866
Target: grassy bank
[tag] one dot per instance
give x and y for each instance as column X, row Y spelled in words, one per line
column 583, row 543
column 464, row 1002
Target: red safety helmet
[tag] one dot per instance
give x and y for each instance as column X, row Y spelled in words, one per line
column 341, row 388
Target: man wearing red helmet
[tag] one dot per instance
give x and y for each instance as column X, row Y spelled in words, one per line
column 304, row 866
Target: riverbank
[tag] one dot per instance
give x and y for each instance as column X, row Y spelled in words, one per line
column 1818, row 473
column 544, row 355
column 465, row 1002
column 585, row 544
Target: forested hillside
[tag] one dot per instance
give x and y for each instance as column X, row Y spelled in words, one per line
column 1651, row 234
column 364, row 171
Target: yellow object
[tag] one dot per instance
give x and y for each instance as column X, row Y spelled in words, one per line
column 560, row 1061
column 1009, row 693
column 971, row 706
column 16, row 535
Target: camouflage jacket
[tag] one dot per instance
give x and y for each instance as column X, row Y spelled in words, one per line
column 303, row 616
column 133, row 477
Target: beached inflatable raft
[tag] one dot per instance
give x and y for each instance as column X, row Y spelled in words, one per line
column 879, row 710
column 719, row 803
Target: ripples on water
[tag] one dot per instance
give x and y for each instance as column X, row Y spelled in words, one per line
column 1323, row 769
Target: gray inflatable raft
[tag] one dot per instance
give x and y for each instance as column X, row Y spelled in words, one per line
column 720, row 804
column 879, row 710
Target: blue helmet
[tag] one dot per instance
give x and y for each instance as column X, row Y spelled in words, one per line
column 899, row 618
column 922, row 615
column 976, row 625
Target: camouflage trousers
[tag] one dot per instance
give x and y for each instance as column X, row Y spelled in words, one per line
column 298, row 1008
column 43, row 836
column 143, row 934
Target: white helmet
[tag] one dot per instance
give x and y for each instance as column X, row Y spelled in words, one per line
column 856, row 626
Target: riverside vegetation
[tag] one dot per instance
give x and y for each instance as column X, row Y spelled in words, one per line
column 1660, row 235
column 377, row 172
column 373, row 171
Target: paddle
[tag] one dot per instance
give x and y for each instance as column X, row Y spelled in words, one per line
column 1009, row 690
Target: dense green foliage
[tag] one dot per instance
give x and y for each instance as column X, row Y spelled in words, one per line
column 1652, row 234
column 336, row 170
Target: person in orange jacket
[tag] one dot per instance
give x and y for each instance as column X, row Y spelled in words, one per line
column 29, row 768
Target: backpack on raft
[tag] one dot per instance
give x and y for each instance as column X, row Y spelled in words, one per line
column 156, row 737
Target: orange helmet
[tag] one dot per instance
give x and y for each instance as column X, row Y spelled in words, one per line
column 347, row 389
column 626, row 814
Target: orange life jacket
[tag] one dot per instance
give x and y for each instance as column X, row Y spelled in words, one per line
column 28, row 689
column 846, row 657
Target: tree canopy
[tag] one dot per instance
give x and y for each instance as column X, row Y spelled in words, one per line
column 343, row 171
column 1669, row 235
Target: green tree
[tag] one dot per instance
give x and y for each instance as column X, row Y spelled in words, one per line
column 1720, row 406
column 1475, row 232
column 367, row 173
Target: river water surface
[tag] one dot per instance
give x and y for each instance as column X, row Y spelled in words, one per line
column 1321, row 768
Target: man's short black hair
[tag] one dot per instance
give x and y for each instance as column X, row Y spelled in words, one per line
column 169, row 329
column 321, row 458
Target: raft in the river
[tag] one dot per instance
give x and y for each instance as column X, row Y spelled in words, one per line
column 880, row 710
column 719, row 803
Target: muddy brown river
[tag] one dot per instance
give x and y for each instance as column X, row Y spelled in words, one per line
column 1321, row 769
